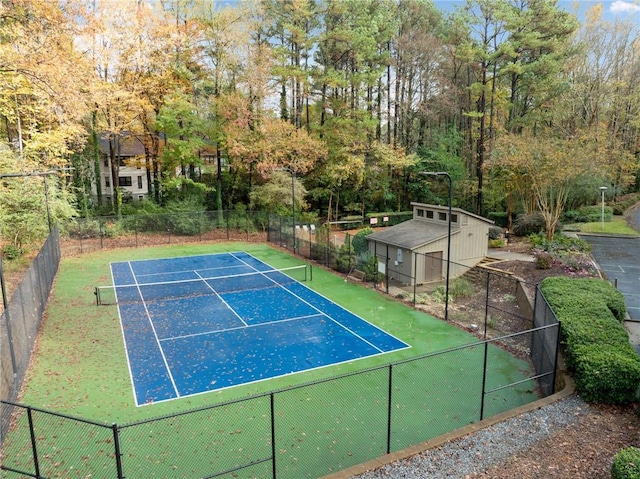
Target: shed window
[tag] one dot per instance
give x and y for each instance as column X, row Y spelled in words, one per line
column 442, row 216
column 454, row 218
column 420, row 213
column 430, row 214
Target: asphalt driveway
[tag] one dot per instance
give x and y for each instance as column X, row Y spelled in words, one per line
column 619, row 260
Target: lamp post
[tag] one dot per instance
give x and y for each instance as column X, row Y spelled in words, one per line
column 444, row 173
column 602, row 189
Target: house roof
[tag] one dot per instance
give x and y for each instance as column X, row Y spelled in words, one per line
column 454, row 210
column 130, row 145
column 411, row 234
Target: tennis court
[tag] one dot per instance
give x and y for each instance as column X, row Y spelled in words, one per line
column 201, row 323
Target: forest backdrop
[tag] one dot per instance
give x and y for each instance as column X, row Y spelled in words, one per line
column 526, row 107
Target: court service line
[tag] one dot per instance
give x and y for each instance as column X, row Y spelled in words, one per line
column 248, row 326
column 320, row 311
column 221, row 298
column 223, row 268
column 155, row 333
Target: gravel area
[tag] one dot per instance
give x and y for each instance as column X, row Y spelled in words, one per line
column 473, row 454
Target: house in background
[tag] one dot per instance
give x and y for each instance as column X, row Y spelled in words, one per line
column 415, row 251
column 132, row 173
column 133, row 177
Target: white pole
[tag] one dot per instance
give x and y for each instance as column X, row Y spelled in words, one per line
column 602, row 189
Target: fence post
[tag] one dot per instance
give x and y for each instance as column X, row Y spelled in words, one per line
column 484, row 378
column 486, row 305
column 34, row 450
column 389, row 408
column 415, row 276
column 101, row 233
column 273, row 436
column 116, row 447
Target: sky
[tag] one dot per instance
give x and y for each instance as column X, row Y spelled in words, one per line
column 612, row 9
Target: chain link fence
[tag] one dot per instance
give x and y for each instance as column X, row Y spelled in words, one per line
column 308, row 430
column 304, row 431
column 84, row 235
column 21, row 320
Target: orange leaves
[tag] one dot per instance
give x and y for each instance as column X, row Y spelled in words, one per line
column 271, row 143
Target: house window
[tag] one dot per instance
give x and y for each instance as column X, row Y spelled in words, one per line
column 140, row 197
column 106, row 163
column 442, row 216
column 430, row 214
column 107, row 182
column 124, row 181
column 139, row 182
column 399, row 255
column 420, row 213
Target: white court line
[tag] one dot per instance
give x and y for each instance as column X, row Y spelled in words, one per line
column 325, row 314
column 124, row 339
column 221, row 298
column 224, row 268
column 155, row 333
column 246, row 326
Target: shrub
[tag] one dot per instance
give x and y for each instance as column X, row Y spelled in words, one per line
column 495, row 232
column 560, row 243
column 458, row 288
column 589, row 214
column 359, row 241
column 501, row 218
column 598, row 352
column 524, row 225
column 626, row 464
column 607, row 375
column 83, row 228
column 12, row 251
column 497, row 243
column 625, row 202
column 544, row 260
column 393, row 217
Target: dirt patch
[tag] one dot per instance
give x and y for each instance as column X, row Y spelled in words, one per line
column 581, row 451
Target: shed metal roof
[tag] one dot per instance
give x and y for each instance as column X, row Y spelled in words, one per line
column 412, row 234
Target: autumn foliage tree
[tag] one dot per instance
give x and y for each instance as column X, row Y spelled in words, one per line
column 544, row 169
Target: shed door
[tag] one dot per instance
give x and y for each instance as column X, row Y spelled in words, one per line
column 433, row 267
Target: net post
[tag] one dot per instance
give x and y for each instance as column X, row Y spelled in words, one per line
column 96, row 293
column 310, row 272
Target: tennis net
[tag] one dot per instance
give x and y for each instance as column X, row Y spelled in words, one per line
column 162, row 291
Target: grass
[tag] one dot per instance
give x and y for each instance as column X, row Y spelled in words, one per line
column 80, row 368
column 618, row 225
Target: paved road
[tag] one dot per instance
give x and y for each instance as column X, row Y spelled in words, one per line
column 619, row 260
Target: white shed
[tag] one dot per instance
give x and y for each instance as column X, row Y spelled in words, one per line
column 415, row 251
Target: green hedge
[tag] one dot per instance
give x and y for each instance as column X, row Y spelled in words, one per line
column 589, row 214
column 624, row 202
column 393, row 218
column 598, row 353
column 626, row 464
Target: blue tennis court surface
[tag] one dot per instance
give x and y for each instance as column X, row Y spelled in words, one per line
column 200, row 323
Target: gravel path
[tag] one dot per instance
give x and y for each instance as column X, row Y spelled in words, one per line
column 477, row 452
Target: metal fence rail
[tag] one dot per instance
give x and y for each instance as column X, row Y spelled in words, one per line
column 302, row 431
column 83, row 235
column 20, row 322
